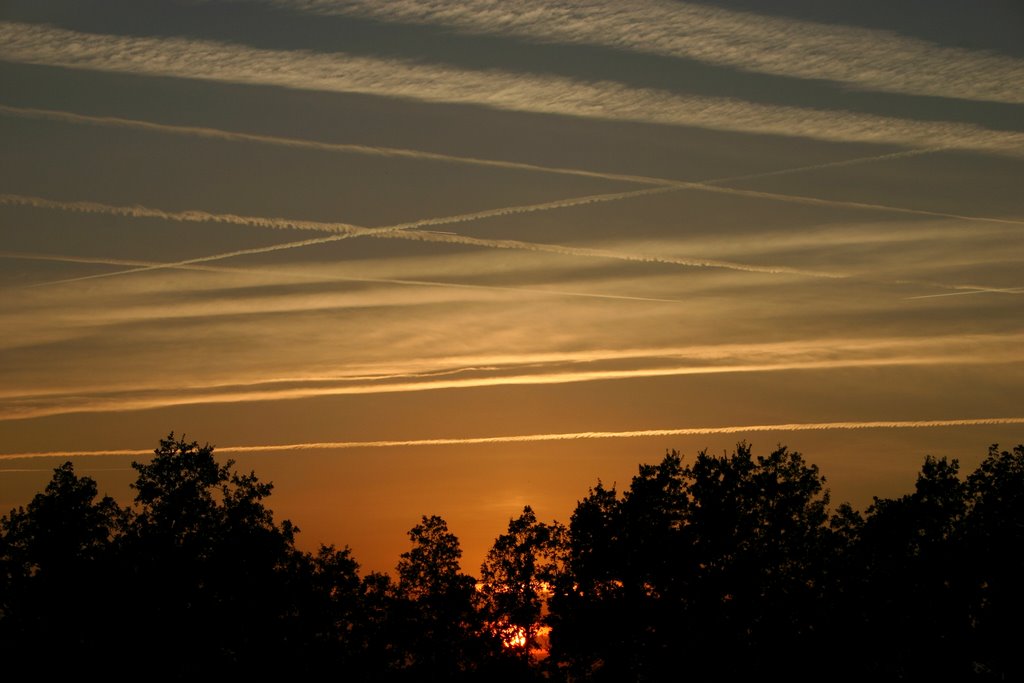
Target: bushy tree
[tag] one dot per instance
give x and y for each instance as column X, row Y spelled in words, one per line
column 55, row 569
column 436, row 627
column 206, row 562
column 516, row 579
column 993, row 547
column 713, row 563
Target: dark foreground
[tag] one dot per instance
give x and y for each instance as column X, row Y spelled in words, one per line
column 722, row 568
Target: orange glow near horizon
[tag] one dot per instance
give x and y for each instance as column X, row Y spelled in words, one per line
column 399, row 276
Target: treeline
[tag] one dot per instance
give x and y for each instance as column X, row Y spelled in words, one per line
column 718, row 569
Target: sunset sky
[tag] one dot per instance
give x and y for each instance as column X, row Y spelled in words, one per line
column 425, row 257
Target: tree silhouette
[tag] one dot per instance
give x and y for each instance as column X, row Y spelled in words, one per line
column 719, row 560
column 438, row 627
column 906, row 580
column 205, row 561
column 55, row 561
column 515, row 580
column 723, row 568
column 993, row 543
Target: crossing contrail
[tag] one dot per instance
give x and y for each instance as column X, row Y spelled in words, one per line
column 570, row 436
column 410, row 231
column 398, row 152
column 407, row 230
column 350, row 230
column 712, row 185
column 971, row 290
column 321, row 277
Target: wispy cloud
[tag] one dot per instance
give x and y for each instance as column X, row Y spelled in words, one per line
column 864, row 58
column 571, row 436
column 288, row 275
column 532, row 368
column 337, row 72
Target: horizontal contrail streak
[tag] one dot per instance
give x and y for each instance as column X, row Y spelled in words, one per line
column 571, row 436
column 162, row 399
column 858, row 349
column 219, row 134
column 427, row 236
column 235, row 136
column 348, row 229
column 322, row 277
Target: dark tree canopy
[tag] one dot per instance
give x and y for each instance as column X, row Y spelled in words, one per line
column 55, row 560
column 515, row 579
column 716, row 559
column 720, row 568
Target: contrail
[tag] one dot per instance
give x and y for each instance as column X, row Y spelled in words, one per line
column 190, row 216
column 571, row 436
column 707, row 185
column 409, row 231
column 220, row 134
column 830, row 164
column 159, row 399
column 971, row 290
column 421, row 235
column 152, row 265
column 909, row 349
column 400, row 231
column 348, row 229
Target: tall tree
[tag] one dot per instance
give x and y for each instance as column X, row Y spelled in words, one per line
column 994, row 550
column 55, row 562
column 207, row 564
column 438, row 627
column 516, row 579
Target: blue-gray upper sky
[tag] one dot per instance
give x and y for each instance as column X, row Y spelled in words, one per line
column 456, row 257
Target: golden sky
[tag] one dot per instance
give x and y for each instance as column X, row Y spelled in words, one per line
column 424, row 257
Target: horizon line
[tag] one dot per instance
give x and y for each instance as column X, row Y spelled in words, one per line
column 564, row 436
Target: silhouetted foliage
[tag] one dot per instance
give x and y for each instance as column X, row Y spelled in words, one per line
column 993, row 543
column 719, row 569
column 206, row 562
column 717, row 563
column 439, row 627
column 55, row 561
column 516, row 578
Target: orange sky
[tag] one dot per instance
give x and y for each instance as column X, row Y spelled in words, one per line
column 267, row 223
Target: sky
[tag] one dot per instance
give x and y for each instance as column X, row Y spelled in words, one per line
column 425, row 257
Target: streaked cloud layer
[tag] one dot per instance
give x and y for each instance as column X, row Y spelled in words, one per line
column 529, row 245
column 529, row 438
column 338, row 72
column 864, row 58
